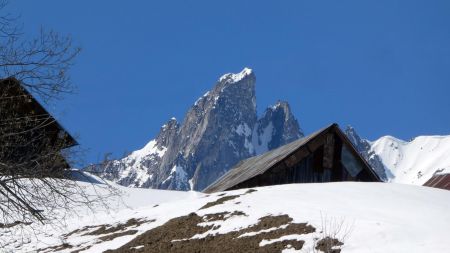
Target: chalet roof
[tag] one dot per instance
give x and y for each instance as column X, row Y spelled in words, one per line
column 257, row 165
column 30, row 107
column 441, row 181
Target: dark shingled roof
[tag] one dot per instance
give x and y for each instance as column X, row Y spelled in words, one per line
column 30, row 107
column 257, row 165
column 441, row 181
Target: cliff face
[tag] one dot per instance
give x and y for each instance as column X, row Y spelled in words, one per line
column 219, row 130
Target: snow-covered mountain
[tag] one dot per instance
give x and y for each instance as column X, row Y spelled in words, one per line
column 407, row 162
column 218, row 131
column 223, row 128
column 415, row 161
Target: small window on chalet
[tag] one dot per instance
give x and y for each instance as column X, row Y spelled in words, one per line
column 350, row 163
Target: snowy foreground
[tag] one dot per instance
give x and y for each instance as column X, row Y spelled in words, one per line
column 366, row 217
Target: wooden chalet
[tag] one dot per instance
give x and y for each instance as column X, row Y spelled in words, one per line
column 441, row 181
column 324, row 156
column 27, row 128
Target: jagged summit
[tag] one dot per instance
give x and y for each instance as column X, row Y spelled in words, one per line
column 276, row 127
column 219, row 130
column 170, row 124
column 234, row 78
column 230, row 88
column 281, row 105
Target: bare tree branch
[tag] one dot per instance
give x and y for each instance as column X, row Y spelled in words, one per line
column 41, row 64
column 35, row 181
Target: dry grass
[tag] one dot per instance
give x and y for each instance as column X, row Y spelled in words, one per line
column 175, row 236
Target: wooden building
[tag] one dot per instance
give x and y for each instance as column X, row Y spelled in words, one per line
column 27, row 130
column 324, row 156
column 441, row 181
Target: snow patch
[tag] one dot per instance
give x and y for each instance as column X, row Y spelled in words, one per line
column 243, row 130
column 263, row 231
column 284, row 238
column 234, row 78
column 248, row 145
column 134, row 164
column 191, row 184
column 261, row 141
column 150, row 148
column 179, row 175
column 202, row 97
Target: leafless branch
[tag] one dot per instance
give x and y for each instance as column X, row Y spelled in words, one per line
column 36, row 184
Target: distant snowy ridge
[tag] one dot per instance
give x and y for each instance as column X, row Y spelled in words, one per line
column 416, row 161
column 407, row 162
column 219, row 130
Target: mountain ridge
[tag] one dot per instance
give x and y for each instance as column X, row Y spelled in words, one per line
column 407, row 162
column 219, row 130
column 414, row 161
column 222, row 128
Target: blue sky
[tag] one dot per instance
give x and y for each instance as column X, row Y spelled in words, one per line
column 382, row 66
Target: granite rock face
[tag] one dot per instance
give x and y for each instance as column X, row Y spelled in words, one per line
column 218, row 131
column 275, row 128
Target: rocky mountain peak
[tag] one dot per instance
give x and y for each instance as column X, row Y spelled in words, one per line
column 231, row 89
column 276, row 127
column 281, row 104
column 218, row 131
column 282, row 108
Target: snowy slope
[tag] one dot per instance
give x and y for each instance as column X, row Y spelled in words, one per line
column 375, row 217
column 416, row 161
column 28, row 238
column 135, row 164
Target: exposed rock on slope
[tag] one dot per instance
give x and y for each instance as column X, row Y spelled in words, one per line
column 276, row 127
column 219, row 130
column 365, row 149
column 268, row 219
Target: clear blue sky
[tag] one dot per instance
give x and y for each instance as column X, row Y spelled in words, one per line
column 382, row 66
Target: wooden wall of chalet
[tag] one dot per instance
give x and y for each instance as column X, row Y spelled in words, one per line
column 321, row 161
column 28, row 130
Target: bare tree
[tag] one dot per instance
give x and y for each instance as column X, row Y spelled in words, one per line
column 34, row 175
column 41, row 64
